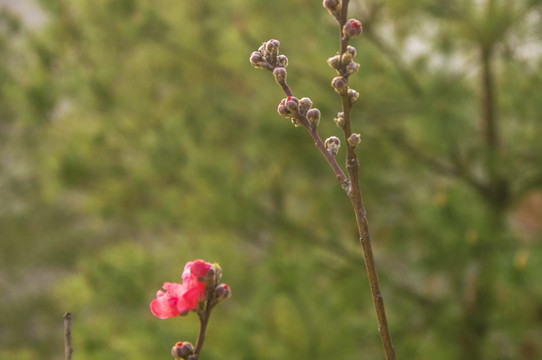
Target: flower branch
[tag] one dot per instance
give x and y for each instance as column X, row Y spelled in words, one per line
column 301, row 114
column 199, row 291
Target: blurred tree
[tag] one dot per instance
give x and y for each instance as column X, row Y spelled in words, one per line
column 135, row 136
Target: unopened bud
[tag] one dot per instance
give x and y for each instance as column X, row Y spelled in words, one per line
column 272, row 47
column 340, row 84
column 282, row 110
column 313, row 115
column 181, row 350
column 304, row 105
column 352, row 28
column 332, row 145
column 339, row 120
column 332, row 6
column 352, row 50
column 222, row 292
column 292, row 104
column 354, row 139
column 353, row 95
column 346, row 58
column 280, row 75
column 334, row 62
column 282, row 61
column 352, row 68
column 210, row 278
column 257, row 60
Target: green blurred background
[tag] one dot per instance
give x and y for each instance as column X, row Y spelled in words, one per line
column 135, row 136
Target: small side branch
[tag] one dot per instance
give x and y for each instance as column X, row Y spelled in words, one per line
column 67, row 336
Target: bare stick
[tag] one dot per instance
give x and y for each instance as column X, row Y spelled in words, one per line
column 67, row 335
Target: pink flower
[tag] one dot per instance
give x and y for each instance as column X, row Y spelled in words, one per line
column 180, row 298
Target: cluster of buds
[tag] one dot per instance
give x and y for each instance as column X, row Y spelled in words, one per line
column 295, row 109
column 267, row 56
column 345, row 66
column 344, row 63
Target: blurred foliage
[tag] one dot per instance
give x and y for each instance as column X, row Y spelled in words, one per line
column 135, row 136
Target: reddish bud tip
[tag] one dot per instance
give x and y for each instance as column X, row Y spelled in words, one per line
column 181, row 350
column 352, row 28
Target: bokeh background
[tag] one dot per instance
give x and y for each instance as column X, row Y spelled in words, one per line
column 135, row 136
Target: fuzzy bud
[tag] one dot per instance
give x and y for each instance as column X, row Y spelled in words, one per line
column 333, row 6
column 272, row 47
column 339, row 120
column 346, row 58
column 292, row 104
column 280, row 75
column 282, row 110
column 257, row 60
column 222, row 292
column 352, row 50
column 334, row 62
column 354, row 139
column 352, row 28
column 352, row 68
column 340, row 84
column 353, row 95
column 332, row 144
column 282, row 61
column 313, row 115
column 304, row 105
column 181, row 350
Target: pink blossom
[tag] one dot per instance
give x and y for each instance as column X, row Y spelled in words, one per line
column 180, row 298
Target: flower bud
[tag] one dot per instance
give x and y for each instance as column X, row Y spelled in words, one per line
column 282, row 61
column 304, row 105
column 313, row 115
column 340, row 84
column 272, row 47
column 339, row 120
column 332, row 144
column 222, row 292
column 352, row 50
column 353, row 95
column 257, row 60
column 352, row 28
column 280, row 75
column 354, row 139
column 282, row 110
column 181, row 350
column 346, row 58
column 332, row 6
column 292, row 104
column 334, row 62
column 352, row 68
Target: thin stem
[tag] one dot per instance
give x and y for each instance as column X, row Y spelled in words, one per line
column 204, row 320
column 67, row 336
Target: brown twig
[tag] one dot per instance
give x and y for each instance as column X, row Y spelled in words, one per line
column 352, row 166
column 67, row 336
